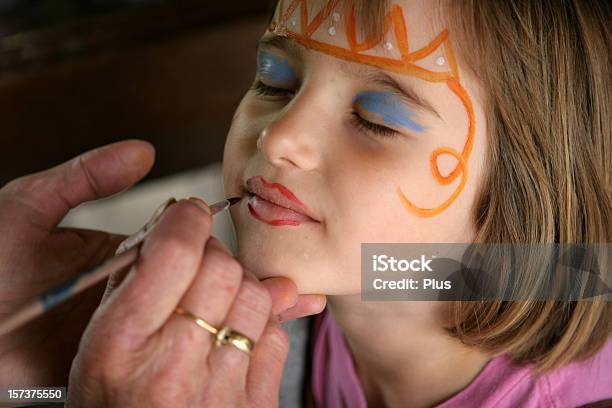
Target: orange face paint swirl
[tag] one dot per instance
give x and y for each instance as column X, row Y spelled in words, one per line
column 406, row 65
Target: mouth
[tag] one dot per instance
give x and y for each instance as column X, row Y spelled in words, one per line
column 275, row 204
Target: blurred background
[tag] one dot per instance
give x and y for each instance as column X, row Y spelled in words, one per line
column 76, row 74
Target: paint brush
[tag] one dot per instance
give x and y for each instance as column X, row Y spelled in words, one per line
column 126, row 255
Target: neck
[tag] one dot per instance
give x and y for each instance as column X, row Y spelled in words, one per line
column 402, row 354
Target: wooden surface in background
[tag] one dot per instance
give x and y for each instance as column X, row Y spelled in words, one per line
column 179, row 93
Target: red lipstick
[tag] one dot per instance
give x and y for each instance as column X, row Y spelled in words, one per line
column 275, row 204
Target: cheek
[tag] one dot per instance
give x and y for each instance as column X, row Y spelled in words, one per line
column 240, row 143
column 241, row 128
column 231, row 161
column 363, row 182
column 364, row 185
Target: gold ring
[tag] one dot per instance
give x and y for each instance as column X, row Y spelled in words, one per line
column 224, row 336
column 197, row 320
column 228, row 336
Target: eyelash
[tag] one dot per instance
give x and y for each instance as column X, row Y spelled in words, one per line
column 262, row 89
column 367, row 126
column 364, row 125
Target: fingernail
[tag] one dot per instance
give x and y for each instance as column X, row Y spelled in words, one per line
column 200, row 203
column 158, row 213
column 161, row 209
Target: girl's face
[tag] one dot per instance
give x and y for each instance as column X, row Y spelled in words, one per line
column 374, row 151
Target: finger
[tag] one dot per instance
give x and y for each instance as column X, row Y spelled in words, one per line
column 113, row 282
column 266, row 368
column 306, row 305
column 248, row 315
column 287, row 304
column 282, row 290
column 283, row 293
column 168, row 262
column 44, row 198
column 72, row 250
column 209, row 297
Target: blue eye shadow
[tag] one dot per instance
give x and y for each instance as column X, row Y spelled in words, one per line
column 274, row 68
column 389, row 108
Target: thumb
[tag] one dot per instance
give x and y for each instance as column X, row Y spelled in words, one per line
column 283, row 293
column 44, row 198
column 287, row 303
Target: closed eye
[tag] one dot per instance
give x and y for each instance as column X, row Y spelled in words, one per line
column 266, row 90
column 364, row 125
column 367, row 126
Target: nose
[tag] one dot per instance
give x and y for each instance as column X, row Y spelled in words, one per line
column 294, row 138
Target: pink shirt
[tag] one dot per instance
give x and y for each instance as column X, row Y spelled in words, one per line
column 500, row 384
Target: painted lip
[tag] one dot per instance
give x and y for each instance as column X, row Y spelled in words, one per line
column 278, row 194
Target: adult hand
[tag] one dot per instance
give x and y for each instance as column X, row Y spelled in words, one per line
column 36, row 255
column 137, row 351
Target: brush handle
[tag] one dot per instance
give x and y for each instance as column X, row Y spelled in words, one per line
column 68, row 289
column 126, row 255
column 142, row 233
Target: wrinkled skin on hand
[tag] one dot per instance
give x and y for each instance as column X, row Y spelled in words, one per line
column 36, row 255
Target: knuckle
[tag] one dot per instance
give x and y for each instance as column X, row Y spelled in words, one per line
column 189, row 338
column 225, row 271
column 23, row 186
column 223, row 284
column 255, row 297
column 232, row 359
column 174, row 247
column 106, row 365
column 121, row 337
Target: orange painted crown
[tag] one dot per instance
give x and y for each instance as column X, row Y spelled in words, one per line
column 407, row 63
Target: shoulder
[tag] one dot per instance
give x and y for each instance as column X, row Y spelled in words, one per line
column 503, row 383
column 582, row 382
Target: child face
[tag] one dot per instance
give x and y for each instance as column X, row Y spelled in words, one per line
column 367, row 150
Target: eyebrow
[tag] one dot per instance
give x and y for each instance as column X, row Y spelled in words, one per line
column 284, row 44
column 405, row 93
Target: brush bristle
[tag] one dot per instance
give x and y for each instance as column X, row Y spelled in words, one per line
column 234, row 200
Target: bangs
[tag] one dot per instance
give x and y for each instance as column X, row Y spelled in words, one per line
column 370, row 15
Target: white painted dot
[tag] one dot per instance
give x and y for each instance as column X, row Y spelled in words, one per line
column 440, row 61
column 332, row 31
column 388, row 45
column 336, row 16
column 293, row 22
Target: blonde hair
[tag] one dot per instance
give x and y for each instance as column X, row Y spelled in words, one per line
column 545, row 70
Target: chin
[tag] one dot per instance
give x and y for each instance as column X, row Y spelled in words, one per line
column 310, row 277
